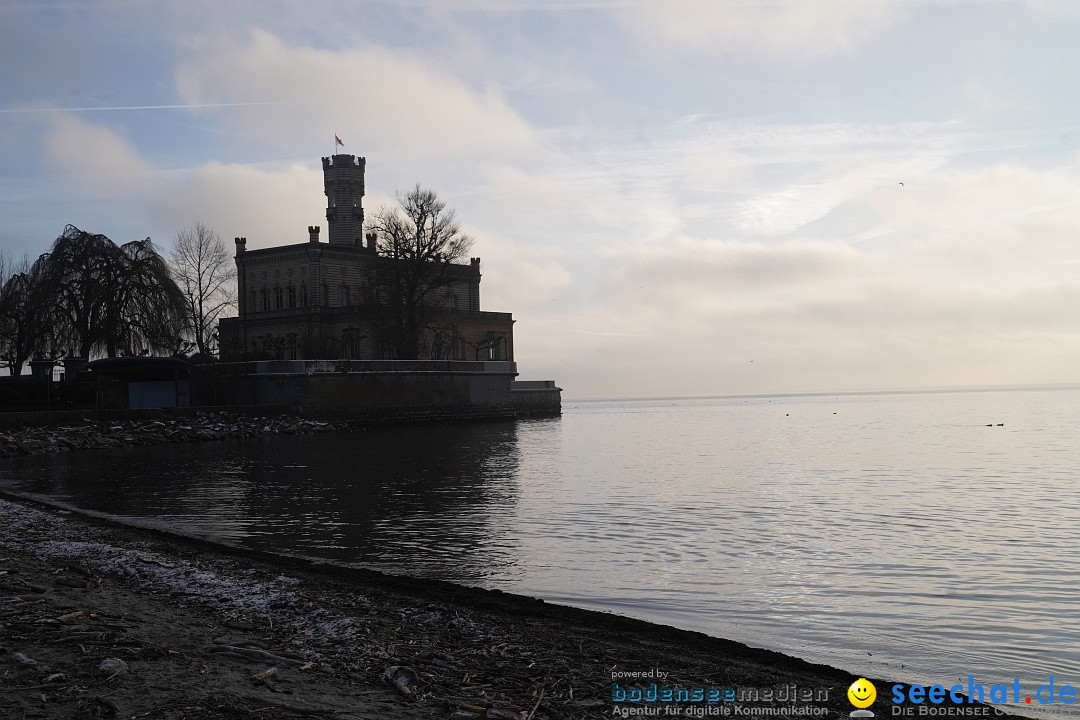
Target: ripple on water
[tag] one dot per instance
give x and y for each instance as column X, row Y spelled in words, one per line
column 899, row 528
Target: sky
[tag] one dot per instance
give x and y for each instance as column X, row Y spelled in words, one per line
column 673, row 197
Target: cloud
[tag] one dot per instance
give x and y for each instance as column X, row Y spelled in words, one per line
column 520, row 280
column 1001, row 224
column 96, row 158
column 775, row 29
column 734, row 270
column 269, row 206
column 372, row 96
column 974, row 280
column 574, row 203
column 1055, row 7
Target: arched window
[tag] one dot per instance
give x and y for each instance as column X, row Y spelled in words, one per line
column 290, row 293
column 348, row 345
column 343, row 295
column 279, row 299
column 265, row 299
column 303, row 295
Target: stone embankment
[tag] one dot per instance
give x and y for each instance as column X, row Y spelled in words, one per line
column 95, row 434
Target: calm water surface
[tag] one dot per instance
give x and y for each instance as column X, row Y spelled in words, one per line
column 893, row 535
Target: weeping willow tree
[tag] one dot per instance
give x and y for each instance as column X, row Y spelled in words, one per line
column 25, row 330
column 109, row 299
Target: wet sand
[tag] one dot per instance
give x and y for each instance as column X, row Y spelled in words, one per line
column 101, row 619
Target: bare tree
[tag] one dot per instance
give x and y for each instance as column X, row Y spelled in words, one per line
column 440, row 340
column 418, row 241
column 206, row 275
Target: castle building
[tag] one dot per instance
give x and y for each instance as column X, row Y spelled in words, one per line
column 323, row 300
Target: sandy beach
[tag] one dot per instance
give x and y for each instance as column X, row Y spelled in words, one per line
column 101, row 619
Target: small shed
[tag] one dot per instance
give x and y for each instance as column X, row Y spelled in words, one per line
column 144, row 382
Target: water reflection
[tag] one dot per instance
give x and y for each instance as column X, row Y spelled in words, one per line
column 423, row 501
column 892, row 535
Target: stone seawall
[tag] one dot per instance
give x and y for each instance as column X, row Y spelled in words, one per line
column 535, row 398
column 270, row 397
column 366, row 387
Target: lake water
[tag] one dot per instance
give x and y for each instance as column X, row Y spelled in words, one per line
column 916, row 536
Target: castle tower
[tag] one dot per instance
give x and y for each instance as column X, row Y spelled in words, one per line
column 343, row 182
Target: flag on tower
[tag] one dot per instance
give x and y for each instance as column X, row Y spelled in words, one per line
column 338, row 140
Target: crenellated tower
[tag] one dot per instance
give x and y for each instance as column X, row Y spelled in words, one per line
column 343, row 182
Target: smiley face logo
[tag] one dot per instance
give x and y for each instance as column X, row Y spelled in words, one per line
column 862, row 693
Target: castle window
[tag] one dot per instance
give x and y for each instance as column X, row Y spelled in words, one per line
column 291, row 293
column 348, row 345
column 254, row 303
column 279, row 299
column 343, row 295
column 303, row 295
column 265, row 299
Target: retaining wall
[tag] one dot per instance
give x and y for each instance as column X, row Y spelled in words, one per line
column 535, row 397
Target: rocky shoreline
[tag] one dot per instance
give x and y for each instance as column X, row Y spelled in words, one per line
column 100, row 619
column 90, row 434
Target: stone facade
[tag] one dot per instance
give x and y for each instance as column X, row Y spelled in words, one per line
column 317, row 300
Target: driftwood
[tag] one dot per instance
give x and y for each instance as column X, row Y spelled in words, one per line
column 269, row 673
column 297, row 709
column 466, row 712
column 48, row 686
column 402, row 678
column 533, row 711
column 254, row 654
